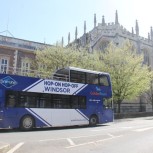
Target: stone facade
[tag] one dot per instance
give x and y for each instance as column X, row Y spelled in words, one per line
column 17, row 54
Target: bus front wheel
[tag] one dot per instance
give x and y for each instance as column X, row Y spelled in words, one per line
column 93, row 120
column 27, row 123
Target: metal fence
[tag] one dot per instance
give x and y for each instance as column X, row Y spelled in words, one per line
column 131, row 107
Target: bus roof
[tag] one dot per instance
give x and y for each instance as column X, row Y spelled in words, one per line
column 67, row 69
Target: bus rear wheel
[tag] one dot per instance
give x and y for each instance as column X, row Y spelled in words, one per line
column 27, row 123
column 93, row 120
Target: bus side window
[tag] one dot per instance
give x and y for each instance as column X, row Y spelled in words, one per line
column 74, row 102
column 66, row 101
column 82, row 102
column 22, row 101
column 78, row 77
column 11, row 100
column 41, row 102
column 31, row 99
column 57, row 101
column 44, row 100
column 92, row 78
column 103, row 80
column 78, row 102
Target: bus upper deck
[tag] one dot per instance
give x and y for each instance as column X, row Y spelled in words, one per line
column 68, row 74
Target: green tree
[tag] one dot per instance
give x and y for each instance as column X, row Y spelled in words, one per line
column 50, row 59
column 130, row 78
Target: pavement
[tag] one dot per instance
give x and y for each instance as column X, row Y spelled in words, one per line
column 4, row 147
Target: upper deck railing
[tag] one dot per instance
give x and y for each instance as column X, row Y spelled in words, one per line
column 35, row 73
column 68, row 74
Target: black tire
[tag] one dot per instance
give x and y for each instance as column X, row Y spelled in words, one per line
column 27, row 123
column 93, row 120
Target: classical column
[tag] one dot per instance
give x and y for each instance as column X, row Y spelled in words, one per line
column 15, row 62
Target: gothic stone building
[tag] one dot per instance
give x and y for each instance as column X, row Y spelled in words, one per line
column 104, row 33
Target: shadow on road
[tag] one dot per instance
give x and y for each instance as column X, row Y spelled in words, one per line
column 51, row 128
column 149, row 119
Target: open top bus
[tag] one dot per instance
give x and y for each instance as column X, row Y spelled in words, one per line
column 72, row 96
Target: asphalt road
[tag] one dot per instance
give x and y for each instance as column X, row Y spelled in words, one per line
column 121, row 136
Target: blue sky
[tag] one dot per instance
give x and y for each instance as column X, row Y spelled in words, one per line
column 48, row 20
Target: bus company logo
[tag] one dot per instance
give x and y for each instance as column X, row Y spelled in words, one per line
column 97, row 92
column 8, row 82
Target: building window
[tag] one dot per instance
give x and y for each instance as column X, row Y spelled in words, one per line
column 103, row 45
column 4, row 65
column 42, row 67
column 146, row 57
column 25, row 67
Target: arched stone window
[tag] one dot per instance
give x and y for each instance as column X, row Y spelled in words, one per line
column 145, row 52
column 101, row 45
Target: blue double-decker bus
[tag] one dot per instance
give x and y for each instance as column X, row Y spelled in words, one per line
column 72, row 96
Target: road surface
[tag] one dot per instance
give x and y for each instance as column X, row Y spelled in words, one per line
column 122, row 136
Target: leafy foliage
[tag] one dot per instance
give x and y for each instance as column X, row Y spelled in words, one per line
column 130, row 78
column 53, row 58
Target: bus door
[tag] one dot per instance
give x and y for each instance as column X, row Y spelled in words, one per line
column 107, row 110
